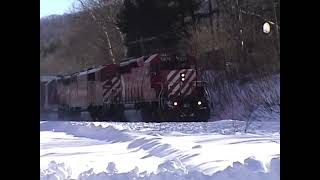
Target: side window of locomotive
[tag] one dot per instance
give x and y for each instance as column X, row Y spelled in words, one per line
column 171, row 62
column 166, row 63
column 182, row 61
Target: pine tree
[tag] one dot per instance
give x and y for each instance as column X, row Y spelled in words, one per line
column 153, row 25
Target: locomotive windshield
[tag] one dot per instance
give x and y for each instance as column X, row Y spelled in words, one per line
column 174, row 61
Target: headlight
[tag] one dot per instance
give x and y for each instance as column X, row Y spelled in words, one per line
column 199, row 103
column 266, row 28
column 183, row 76
column 175, row 103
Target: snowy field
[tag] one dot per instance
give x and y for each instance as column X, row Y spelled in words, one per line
column 216, row 150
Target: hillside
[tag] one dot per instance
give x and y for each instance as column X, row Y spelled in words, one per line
column 69, row 43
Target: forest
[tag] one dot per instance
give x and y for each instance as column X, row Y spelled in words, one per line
column 224, row 35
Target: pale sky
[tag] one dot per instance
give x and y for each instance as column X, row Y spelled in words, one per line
column 50, row 7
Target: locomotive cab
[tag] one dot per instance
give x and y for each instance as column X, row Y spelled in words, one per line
column 181, row 96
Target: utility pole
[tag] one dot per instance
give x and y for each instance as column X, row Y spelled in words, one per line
column 218, row 13
column 239, row 31
column 277, row 25
column 210, row 16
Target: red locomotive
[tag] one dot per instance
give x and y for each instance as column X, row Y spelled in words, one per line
column 162, row 87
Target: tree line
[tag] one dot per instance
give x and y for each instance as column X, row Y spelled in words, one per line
column 222, row 34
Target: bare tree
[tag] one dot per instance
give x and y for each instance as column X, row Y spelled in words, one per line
column 103, row 13
column 255, row 99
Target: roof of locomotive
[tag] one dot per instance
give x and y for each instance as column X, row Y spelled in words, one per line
column 76, row 74
column 124, row 62
column 150, row 58
column 142, row 59
column 90, row 70
column 48, row 78
column 128, row 61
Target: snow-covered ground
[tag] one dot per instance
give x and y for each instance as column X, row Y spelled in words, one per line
column 214, row 150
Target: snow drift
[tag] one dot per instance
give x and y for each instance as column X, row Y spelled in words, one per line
column 74, row 150
column 88, row 130
column 251, row 169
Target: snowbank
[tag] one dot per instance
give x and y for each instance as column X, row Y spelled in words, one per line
column 180, row 128
column 159, row 151
column 122, row 132
column 173, row 169
column 55, row 171
column 88, row 130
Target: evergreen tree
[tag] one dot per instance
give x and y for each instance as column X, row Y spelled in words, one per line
column 153, row 25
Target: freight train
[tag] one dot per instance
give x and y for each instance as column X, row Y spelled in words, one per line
column 161, row 87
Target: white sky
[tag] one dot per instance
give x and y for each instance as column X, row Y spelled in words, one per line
column 50, row 7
